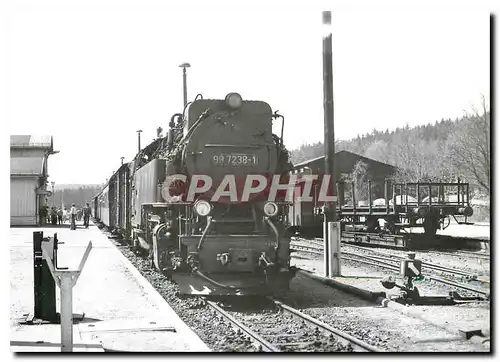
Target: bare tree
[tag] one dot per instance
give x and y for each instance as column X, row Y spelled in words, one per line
column 378, row 150
column 360, row 177
column 470, row 147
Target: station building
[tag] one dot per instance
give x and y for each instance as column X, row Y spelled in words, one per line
column 28, row 178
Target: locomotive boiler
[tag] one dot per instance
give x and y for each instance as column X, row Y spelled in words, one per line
column 201, row 199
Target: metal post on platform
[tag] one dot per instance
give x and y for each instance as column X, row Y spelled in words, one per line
column 66, row 314
column 44, row 286
column 334, row 249
column 66, row 280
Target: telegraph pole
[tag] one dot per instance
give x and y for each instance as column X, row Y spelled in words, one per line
column 184, row 80
column 331, row 228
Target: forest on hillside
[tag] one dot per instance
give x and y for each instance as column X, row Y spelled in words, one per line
column 441, row 151
column 77, row 194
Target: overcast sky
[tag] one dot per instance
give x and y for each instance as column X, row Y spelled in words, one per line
column 91, row 74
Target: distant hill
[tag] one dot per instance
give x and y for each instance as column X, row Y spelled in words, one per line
column 441, row 151
column 72, row 186
column 65, row 195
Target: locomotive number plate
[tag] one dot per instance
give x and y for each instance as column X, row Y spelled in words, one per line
column 234, row 159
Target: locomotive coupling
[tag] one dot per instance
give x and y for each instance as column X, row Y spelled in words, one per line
column 193, row 261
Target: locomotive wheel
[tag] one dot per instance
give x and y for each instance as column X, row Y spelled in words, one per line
column 431, row 224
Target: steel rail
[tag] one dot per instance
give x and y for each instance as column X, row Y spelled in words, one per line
column 463, row 253
column 428, row 277
column 425, row 264
column 371, row 263
column 326, row 327
column 399, row 258
column 372, row 259
column 306, row 248
column 266, row 346
column 381, row 264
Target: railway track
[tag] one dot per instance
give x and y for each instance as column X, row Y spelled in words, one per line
column 301, row 336
column 282, row 328
column 391, row 262
column 407, row 241
column 470, row 254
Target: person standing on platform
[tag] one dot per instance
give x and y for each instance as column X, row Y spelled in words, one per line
column 53, row 216
column 59, row 216
column 73, row 213
column 86, row 215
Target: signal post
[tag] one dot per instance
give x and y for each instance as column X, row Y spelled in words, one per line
column 331, row 229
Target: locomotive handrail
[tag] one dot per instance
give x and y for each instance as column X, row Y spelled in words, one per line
column 232, row 220
column 234, row 146
column 164, row 204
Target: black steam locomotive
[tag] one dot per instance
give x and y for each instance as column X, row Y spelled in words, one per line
column 187, row 200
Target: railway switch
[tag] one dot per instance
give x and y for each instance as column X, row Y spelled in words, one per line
column 411, row 271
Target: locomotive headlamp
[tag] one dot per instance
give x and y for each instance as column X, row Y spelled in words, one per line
column 202, row 207
column 270, row 208
column 234, row 100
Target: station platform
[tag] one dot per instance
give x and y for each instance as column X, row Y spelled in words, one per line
column 122, row 311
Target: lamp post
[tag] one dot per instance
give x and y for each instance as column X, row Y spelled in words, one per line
column 139, row 140
column 53, row 196
column 184, row 80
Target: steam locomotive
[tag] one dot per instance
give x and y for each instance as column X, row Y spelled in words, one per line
column 186, row 199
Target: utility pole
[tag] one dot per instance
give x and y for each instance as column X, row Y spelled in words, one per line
column 139, row 140
column 331, row 228
column 184, row 80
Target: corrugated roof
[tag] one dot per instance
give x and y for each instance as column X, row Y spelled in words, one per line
column 30, row 141
column 303, row 163
column 26, row 165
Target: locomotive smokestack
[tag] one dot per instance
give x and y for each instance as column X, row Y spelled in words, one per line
column 184, row 80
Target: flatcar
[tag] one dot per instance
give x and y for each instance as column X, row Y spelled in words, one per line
column 386, row 206
column 206, row 241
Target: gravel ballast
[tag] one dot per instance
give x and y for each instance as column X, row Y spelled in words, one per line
column 380, row 327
